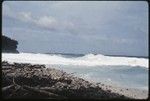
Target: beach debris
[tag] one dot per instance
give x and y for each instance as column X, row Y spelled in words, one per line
column 36, row 81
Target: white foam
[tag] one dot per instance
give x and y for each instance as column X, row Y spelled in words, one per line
column 87, row 60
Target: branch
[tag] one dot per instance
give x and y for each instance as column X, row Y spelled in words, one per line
column 42, row 92
column 7, row 87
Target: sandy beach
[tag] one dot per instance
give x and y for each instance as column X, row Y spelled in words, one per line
column 129, row 92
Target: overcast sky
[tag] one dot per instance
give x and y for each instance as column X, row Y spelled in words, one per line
column 105, row 27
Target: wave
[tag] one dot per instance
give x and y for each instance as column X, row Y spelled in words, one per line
column 86, row 60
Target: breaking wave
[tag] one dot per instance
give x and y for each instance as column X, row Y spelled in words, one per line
column 86, row 60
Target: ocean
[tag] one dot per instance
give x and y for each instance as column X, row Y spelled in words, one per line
column 129, row 72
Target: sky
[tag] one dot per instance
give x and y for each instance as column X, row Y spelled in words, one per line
column 101, row 27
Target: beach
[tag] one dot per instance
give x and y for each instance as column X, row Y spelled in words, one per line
column 75, row 50
column 36, row 81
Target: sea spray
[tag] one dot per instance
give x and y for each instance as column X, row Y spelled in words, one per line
column 87, row 60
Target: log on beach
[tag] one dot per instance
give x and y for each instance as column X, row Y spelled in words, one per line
column 35, row 81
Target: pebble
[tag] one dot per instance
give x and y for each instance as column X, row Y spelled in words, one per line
column 58, row 79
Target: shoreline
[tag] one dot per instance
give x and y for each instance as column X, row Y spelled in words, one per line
column 35, row 78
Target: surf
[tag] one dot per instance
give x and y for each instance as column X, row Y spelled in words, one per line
column 86, row 60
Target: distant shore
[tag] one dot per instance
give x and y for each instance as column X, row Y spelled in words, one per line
column 36, row 81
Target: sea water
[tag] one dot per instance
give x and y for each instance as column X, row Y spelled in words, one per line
column 129, row 72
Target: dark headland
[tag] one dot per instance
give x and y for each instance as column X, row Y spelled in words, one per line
column 9, row 45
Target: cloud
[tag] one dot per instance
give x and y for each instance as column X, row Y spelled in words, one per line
column 47, row 22
column 103, row 25
column 51, row 23
column 25, row 16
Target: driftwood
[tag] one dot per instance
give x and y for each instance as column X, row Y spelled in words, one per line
column 32, row 82
column 50, row 89
column 7, row 67
column 35, row 90
column 42, row 92
column 38, row 91
column 7, row 87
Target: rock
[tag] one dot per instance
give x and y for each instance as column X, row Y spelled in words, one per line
column 109, row 90
column 52, row 80
column 5, row 63
column 9, row 45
